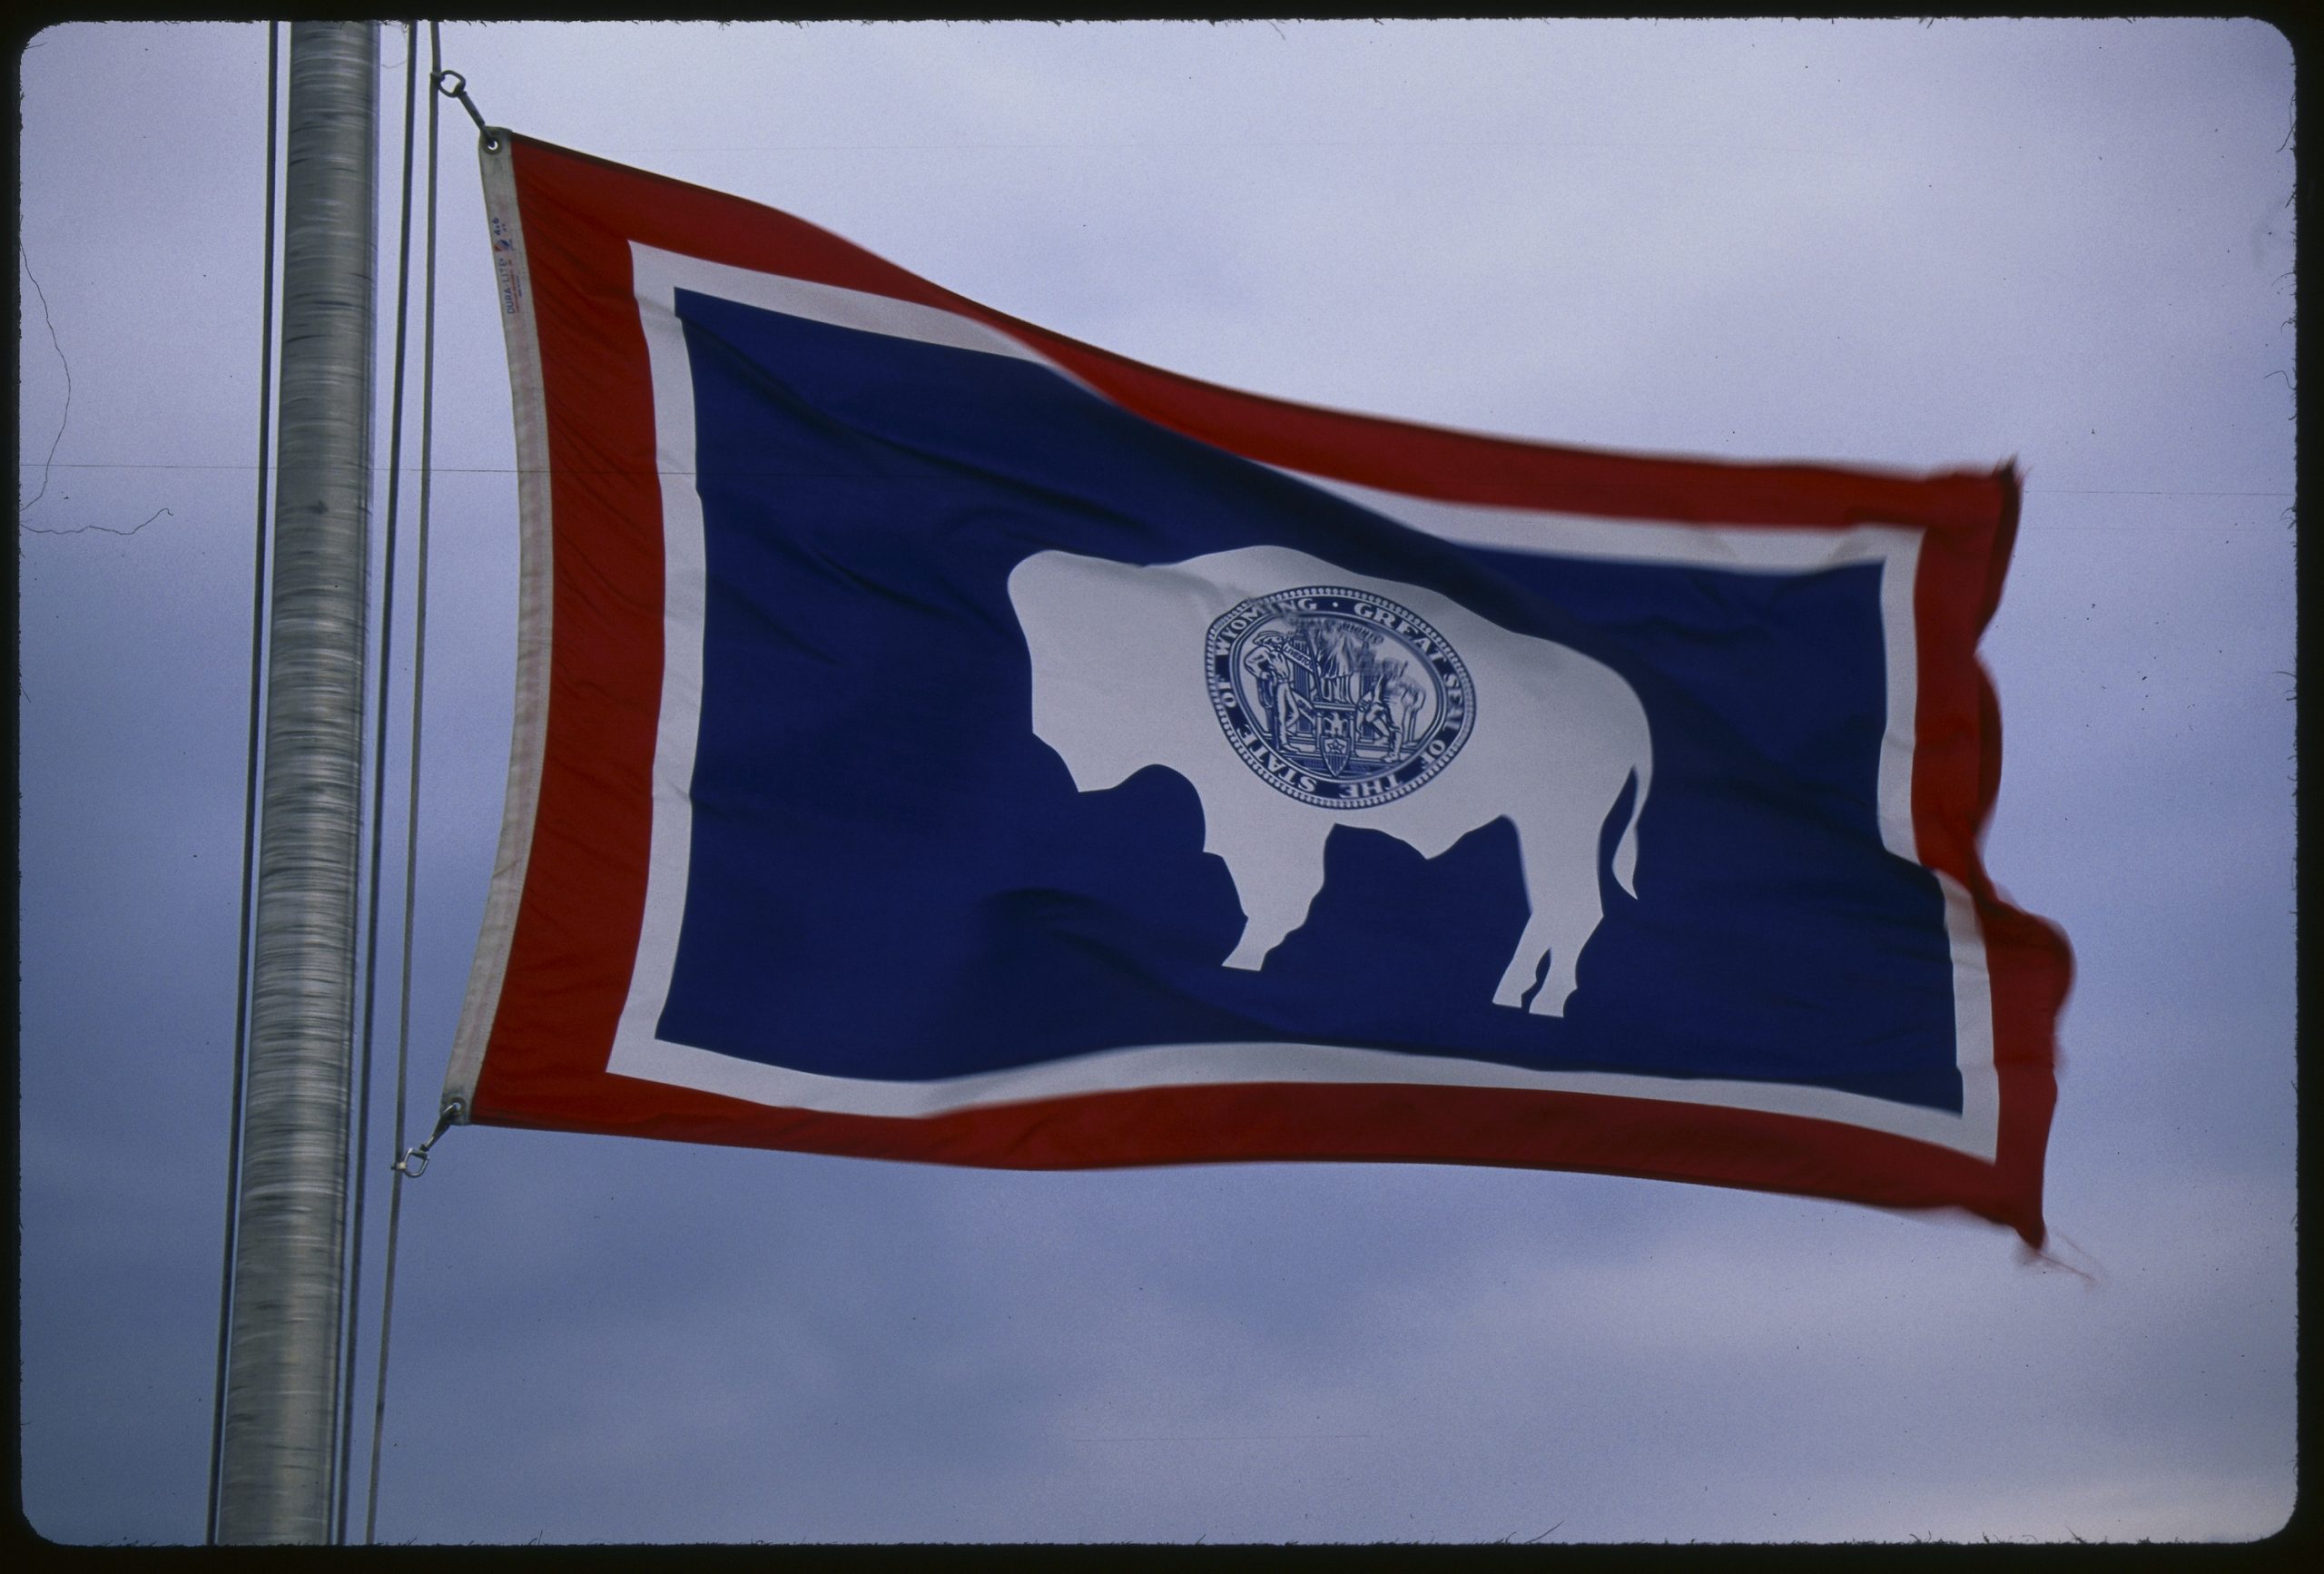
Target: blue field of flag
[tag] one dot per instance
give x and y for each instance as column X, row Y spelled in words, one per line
column 892, row 875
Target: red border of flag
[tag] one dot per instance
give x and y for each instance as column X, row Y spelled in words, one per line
column 575, row 927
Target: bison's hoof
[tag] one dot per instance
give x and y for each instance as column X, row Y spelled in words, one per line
column 1551, row 1001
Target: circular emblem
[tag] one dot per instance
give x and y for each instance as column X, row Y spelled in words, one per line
column 1338, row 697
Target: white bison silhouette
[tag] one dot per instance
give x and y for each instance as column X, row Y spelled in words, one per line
column 1118, row 684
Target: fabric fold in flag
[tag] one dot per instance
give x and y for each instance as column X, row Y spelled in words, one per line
column 940, row 738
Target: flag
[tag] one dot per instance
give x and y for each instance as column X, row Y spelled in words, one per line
column 939, row 739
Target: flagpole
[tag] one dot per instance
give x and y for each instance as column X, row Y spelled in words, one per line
column 281, row 1388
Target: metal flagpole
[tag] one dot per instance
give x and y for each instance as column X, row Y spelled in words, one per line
column 281, row 1388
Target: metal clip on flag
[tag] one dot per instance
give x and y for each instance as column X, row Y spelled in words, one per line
column 939, row 739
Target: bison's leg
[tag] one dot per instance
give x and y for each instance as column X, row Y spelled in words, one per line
column 1572, row 922
column 1276, row 880
column 1564, row 896
column 1526, row 964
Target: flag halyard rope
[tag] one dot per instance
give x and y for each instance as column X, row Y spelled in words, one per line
column 362, row 1165
column 402, row 1167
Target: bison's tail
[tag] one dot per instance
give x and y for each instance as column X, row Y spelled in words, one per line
column 1626, row 849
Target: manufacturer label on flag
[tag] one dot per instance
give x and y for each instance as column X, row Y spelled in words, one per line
column 939, row 739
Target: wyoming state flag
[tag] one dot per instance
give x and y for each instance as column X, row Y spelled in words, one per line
column 939, row 739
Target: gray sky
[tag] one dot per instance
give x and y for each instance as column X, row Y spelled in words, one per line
column 1882, row 242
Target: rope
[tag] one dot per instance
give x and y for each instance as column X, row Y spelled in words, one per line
column 379, row 798
column 249, row 806
column 411, row 796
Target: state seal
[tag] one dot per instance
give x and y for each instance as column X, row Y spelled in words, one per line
column 1338, row 697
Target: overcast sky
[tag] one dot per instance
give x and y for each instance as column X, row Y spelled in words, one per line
column 1908, row 245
